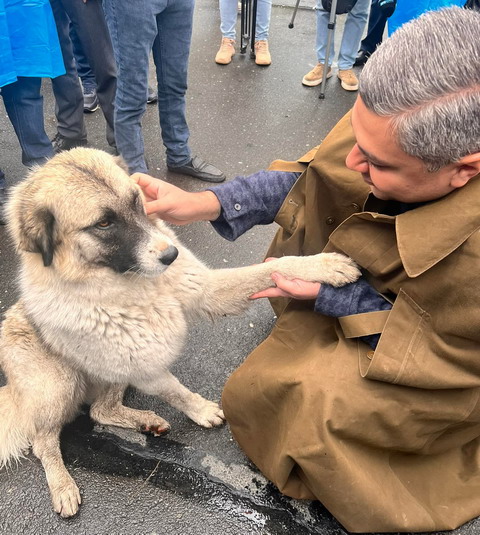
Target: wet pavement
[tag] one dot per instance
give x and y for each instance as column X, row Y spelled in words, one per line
column 193, row 481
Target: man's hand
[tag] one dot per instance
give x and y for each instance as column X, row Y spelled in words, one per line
column 175, row 205
column 294, row 289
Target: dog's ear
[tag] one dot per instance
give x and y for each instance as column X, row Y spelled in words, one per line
column 36, row 234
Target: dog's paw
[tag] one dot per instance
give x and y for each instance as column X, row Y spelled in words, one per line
column 155, row 430
column 207, row 413
column 337, row 269
column 66, row 499
column 149, row 422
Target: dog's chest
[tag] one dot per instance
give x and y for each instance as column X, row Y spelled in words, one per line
column 118, row 344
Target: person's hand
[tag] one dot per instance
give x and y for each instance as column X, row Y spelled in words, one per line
column 294, row 289
column 175, row 205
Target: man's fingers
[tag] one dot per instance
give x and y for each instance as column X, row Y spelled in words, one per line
column 269, row 292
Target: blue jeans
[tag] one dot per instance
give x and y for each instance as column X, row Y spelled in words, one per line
column 352, row 33
column 228, row 17
column 24, row 104
column 165, row 27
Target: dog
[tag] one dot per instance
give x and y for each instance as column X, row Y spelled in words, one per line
column 105, row 296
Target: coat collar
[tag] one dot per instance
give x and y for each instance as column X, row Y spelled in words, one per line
column 429, row 233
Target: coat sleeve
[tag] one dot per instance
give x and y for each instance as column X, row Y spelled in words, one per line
column 249, row 201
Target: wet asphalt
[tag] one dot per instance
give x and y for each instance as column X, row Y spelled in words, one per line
column 193, row 481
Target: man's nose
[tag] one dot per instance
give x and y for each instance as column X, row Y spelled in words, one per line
column 356, row 160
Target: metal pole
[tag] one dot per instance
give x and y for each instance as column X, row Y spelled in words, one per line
column 331, row 30
column 294, row 14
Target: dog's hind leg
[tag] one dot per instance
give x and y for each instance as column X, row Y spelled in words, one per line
column 202, row 411
column 108, row 409
column 63, row 489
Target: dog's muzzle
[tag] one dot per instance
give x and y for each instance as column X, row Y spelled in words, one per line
column 168, row 255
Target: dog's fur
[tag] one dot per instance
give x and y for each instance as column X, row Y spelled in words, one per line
column 104, row 304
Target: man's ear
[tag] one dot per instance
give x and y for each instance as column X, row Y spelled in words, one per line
column 465, row 169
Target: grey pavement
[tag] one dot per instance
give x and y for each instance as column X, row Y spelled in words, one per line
column 193, row 481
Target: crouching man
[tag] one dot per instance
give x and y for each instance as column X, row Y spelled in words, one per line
column 367, row 397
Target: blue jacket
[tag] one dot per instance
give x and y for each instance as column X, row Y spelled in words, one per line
column 29, row 43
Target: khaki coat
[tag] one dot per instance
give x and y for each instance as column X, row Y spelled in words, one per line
column 387, row 440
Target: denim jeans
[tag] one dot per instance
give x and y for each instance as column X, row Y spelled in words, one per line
column 228, row 18
column 83, row 67
column 24, row 104
column 165, row 27
column 352, row 33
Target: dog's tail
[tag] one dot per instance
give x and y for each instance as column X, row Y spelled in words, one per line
column 14, row 437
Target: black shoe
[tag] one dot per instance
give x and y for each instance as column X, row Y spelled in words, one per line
column 90, row 101
column 3, row 202
column 61, row 143
column 200, row 169
column 362, row 58
column 152, row 95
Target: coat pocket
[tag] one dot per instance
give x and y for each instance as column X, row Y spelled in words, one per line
column 400, row 340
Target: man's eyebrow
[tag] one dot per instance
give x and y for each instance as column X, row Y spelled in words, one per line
column 373, row 158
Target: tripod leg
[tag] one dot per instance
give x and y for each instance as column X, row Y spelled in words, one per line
column 294, row 14
column 331, row 30
column 253, row 28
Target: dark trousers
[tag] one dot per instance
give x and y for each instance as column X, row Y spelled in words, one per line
column 88, row 21
column 376, row 27
column 83, row 67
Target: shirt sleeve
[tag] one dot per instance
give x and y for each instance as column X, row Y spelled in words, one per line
column 354, row 298
column 252, row 200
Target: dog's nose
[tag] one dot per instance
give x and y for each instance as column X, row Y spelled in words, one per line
column 169, row 255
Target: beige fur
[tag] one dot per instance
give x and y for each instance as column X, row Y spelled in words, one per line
column 103, row 306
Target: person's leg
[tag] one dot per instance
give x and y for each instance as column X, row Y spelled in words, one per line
column 133, row 28
column 315, row 76
column 89, row 86
column 228, row 20
column 83, row 67
column 323, row 18
column 170, row 53
column 88, row 20
column 262, row 53
column 24, row 104
column 376, row 26
column 352, row 34
column 264, row 10
column 67, row 88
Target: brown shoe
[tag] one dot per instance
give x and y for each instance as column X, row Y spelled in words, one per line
column 226, row 52
column 315, row 76
column 262, row 54
column 348, row 79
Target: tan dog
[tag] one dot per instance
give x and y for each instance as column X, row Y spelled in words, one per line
column 105, row 297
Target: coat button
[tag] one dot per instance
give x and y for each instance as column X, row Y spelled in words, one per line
column 237, row 207
column 329, row 220
column 370, row 354
column 355, row 206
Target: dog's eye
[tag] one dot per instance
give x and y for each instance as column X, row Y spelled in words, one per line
column 105, row 223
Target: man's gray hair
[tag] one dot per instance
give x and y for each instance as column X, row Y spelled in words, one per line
column 426, row 77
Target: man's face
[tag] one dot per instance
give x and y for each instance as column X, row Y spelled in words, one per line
column 386, row 168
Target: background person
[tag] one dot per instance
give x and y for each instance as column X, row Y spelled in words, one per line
column 385, row 432
column 29, row 50
column 137, row 28
column 352, row 33
column 228, row 18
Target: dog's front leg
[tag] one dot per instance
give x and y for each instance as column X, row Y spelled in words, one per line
column 108, row 409
column 63, row 489
column 202, row 411
column 226, row 291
